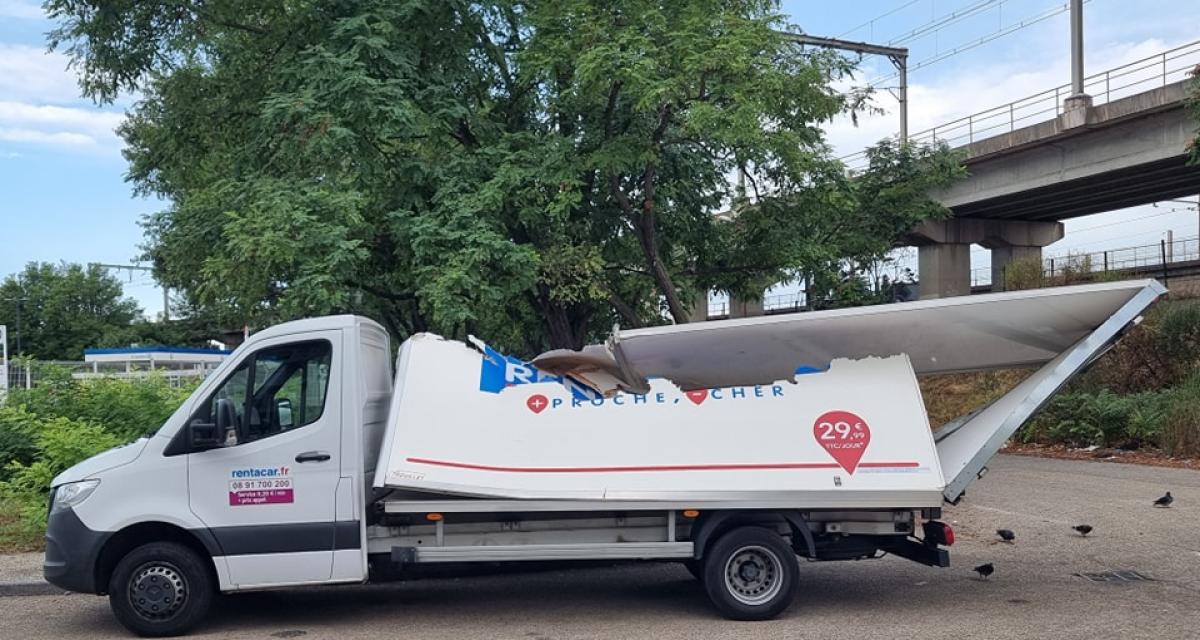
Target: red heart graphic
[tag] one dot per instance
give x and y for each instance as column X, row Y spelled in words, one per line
column 697, row 396
column 537, row 403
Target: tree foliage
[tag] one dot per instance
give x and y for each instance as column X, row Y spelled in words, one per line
column 527, row 171
column 63, row 309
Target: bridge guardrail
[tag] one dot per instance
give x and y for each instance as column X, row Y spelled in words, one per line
column 1172, row 65
column 1143, row 257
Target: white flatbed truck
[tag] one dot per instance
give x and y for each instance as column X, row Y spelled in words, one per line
column 734, row 447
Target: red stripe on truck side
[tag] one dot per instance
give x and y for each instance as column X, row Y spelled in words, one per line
column 667, row 467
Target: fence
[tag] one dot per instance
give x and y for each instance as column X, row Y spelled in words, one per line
column 26, row 374
column 1173, row 65
column 1142, row 257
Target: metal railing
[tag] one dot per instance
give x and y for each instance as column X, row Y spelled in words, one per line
column 1159, row 70
column 26, row 374
column 785, row 301
column 775, row 303
column 1144, row 257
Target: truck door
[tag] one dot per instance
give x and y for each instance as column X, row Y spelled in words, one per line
column 267, row 494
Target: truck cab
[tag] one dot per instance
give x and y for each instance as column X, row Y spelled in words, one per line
column 261, row 476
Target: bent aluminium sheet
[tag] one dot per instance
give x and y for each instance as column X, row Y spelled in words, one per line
column 471, row 422
column 967, row 333
column 1060, row 329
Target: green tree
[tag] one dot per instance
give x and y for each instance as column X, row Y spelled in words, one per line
column 531, row 172
column 63, row 309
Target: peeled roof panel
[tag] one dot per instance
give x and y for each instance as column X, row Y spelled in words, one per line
column 966, row 333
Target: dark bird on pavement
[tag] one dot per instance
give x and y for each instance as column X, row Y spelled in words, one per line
column 985, row 570
column 1164, row 501
column 1083, row 529
column 1006, row 535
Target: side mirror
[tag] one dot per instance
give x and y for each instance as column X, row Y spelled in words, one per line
column 217, row 430
column 283, row 408
column 202, row 435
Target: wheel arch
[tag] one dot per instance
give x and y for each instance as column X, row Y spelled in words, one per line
column 136, row 535
column 711, row 525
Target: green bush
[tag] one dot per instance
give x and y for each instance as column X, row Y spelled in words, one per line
column 1181, row 426
column 17, row 428
column 59, row 443
column 127, row 407
column 1159, row 353
column 63, row 420
column 1103, row 419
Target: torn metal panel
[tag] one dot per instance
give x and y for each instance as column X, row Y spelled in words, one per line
column 970, row 333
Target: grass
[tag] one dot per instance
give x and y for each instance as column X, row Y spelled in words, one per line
column 952, row 395
column 15, row 535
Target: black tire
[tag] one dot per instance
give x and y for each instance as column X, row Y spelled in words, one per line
column 751, row 573
column 161, row 589
column 696, row 568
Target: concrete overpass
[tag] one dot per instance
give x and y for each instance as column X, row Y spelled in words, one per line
column 1031, row 165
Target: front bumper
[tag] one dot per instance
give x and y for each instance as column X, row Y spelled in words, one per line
column 71, row 553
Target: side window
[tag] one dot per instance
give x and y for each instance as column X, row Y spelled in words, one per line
column 289, row 385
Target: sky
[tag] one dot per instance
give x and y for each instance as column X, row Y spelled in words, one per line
column 63, row 194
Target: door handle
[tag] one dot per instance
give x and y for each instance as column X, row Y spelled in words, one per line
column 313, row 456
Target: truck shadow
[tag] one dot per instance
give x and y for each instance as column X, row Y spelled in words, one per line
column 512, row 598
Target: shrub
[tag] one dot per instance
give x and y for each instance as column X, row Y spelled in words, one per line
column 59, row 443
column 1103, row 419
column 1024, row 273
column 61, row 421
column 1159, row 353
column 17, row 428
column 126, row 407
column 1181, row 426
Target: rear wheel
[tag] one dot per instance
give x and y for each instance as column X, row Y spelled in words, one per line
column 751, row 573
column 161, row 589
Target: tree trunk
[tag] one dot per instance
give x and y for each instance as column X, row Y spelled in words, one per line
column 561, row 332
column 658, row 271
column 643, row 223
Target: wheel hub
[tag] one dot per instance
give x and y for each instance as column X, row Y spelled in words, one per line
column 157, row 591
column 753, row 575
column 749, row 571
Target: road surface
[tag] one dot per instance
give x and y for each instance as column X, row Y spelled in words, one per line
column 1035, row 593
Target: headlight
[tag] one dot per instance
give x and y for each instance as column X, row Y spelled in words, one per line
column 72, row 494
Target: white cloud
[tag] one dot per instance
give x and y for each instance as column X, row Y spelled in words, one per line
column 46, row 137
column 70, row 127
column 12, row 154
column 33, row 74
column 21, row 9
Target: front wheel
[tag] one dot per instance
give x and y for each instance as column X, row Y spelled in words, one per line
column 751, row 573
column 161, row 589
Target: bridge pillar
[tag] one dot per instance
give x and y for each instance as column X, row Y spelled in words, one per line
column 699, row 308
column 745, row 308
column 945, row 269
column 1003, row 256
column 944, row 249
column 1012, row 240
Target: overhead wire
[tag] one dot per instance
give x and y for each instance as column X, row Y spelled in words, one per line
column 946, row 20
column 999, row 33
column 879, row 17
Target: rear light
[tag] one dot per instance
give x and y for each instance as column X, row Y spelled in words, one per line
column 938, row 533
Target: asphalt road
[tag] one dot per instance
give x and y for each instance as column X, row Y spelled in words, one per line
column 1035, row 593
